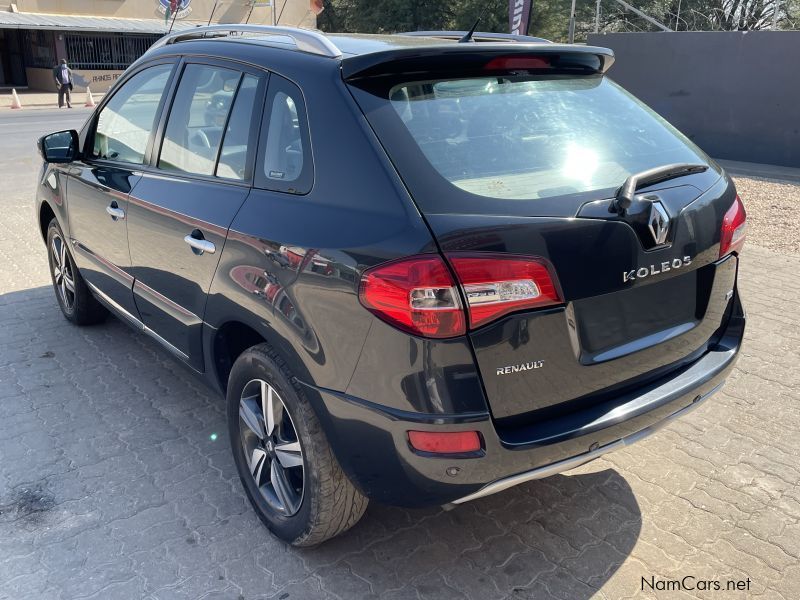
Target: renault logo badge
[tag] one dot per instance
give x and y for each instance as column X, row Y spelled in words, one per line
column 658, row 223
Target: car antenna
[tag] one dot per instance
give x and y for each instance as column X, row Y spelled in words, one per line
column 467, row 37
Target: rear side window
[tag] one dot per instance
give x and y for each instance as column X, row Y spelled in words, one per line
column 233, row 156
column 125, row 123
column 285, row 152
column 503, row 140
column 198, row 118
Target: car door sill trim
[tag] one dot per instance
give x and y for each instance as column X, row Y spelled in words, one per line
column 115, row 306
column 136, row 323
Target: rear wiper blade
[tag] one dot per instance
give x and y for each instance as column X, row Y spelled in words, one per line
column 625, row 194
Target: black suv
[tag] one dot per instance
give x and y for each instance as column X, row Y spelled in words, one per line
column 422, row 271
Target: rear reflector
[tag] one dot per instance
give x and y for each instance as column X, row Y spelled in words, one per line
column 734, row 229
column 415, row 294
column 497, row 284
column 445, row 442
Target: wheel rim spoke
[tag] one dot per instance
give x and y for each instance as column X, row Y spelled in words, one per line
column 282, row 490
column 257, row 460
column 272, row 450
column 268, row 406
column 62, row 273
column 248, row 412
column 56, row 253
column 62, row 255
column 69, row 283
column 289, row 455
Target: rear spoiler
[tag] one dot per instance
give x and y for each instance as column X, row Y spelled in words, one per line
column 478, row 36
column 461, row 58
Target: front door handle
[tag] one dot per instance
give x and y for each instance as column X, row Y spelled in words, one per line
column 115, row 212
column 199, row 244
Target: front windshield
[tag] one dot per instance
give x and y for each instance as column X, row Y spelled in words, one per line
column 528, row 138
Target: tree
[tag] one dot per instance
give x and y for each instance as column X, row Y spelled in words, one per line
column 550, row 18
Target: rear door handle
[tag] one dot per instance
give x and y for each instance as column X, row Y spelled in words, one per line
column 115, row 212
column 199, row 244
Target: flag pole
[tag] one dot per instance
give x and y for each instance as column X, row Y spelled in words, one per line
column 175, row 16
column 213, row 10
column 597, row 16
column 571, row 34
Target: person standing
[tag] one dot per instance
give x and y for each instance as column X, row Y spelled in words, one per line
column 63, row 77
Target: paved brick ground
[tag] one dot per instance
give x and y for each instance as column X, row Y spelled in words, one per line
column 111, row 487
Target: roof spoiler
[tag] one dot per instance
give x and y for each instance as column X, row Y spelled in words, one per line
column 462, row 58
column 478, row 36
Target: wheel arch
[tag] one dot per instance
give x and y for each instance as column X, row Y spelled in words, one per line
column 46, row 214
column 233, row 337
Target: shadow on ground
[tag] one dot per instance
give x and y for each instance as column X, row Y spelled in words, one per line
column 111, row 486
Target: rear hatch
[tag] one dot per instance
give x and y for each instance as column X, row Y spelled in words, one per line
column 518, row 151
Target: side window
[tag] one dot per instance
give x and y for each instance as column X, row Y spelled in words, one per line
column 126, row 121
column 233, row 157
column 285, row 151
column 198, row 119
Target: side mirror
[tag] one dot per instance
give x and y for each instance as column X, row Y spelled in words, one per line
column 59, row 147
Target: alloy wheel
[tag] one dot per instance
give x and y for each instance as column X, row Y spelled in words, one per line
column 271, row 447
column 62, row 271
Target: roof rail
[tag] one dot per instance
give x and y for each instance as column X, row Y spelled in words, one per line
column 478, row 36
column 306, row 40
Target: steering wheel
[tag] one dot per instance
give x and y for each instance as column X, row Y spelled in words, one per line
column 204, row 141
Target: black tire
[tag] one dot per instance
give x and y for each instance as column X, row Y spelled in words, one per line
column 328, row 502
column 78, row 305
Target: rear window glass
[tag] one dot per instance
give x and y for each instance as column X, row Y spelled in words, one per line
column 515, row 138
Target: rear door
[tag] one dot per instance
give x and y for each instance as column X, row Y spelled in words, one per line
column 181, row 209
column 520, row 157
column 99, row 184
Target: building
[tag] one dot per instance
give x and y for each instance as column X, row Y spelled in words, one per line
column 100, row 38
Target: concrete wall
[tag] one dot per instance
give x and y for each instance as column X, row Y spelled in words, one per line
column 735, row 94
column 98, row 81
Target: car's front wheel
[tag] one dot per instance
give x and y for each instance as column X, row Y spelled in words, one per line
column 283, row 457
column 74, row 298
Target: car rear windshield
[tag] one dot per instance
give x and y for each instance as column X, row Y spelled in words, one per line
column 511, row 139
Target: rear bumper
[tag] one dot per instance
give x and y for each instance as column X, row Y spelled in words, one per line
column 581, row 459
column 371, row 443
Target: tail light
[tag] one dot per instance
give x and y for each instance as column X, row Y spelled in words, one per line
column 415, row 294
column 418, row 294
column 445, row 442
column 510, row 63
column 734, row 229
column 497, row 284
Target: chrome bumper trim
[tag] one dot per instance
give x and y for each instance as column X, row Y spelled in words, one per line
column 576, row 461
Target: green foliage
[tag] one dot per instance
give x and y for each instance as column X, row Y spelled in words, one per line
column 550, row 18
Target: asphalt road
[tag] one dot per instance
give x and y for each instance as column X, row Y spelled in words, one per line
column 19, row 129
column 112, row 484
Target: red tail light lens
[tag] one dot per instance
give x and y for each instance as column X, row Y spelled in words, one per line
column 497, row 284
column 418, row 294
column 734, row 229
column 446, row 442
column 510, row 63
column 415, row 294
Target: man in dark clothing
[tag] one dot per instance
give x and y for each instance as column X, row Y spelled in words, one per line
column 63, row 76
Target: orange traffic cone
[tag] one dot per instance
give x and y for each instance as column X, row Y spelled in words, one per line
column 89, row 98
column 15, row 103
